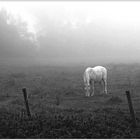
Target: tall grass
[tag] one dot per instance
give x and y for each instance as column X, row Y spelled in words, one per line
column 68, row 124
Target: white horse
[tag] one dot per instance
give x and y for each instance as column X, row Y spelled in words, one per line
column 92, row 75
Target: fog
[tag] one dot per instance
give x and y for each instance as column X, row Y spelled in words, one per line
column 69, row 32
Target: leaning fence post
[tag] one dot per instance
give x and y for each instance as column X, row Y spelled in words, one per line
column 26, row 102
column 131, row 108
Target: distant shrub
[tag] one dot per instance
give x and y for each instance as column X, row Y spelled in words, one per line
column 18, row 75
column 9, row 83
column 36, row 91
column 58, row 99
column 17, row 101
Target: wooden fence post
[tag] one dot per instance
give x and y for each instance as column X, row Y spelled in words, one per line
column 131, row 108
column 26, row 102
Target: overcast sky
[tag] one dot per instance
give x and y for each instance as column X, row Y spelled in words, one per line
column 69, row 31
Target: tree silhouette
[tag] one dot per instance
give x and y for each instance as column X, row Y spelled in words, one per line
column 15, row 40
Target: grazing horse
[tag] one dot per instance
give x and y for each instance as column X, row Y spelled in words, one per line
column 92, row 75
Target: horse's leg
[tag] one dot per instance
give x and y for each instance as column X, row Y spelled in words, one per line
column 87, row 88
column 89, row 92
column 92, row 88
column 105, row 86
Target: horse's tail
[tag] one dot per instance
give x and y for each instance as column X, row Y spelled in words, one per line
column 105, row 74
column 86, row 78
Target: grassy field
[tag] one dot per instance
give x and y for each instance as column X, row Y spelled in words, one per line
column 56, row 93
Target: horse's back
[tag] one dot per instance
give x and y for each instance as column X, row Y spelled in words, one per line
column 98, row 73
column 99, row 68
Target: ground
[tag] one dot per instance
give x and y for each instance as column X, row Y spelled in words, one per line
column 60, row 88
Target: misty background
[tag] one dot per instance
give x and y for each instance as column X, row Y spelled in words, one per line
column 69, row 32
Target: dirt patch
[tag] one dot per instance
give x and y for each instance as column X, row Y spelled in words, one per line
column 18, row 102
column 3, row 98
column 114, row 100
